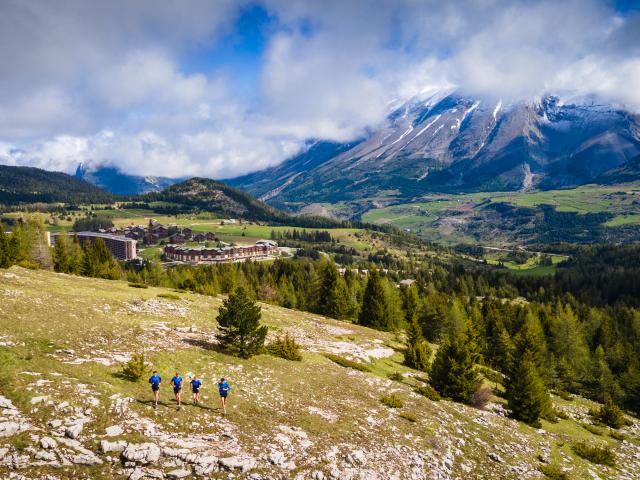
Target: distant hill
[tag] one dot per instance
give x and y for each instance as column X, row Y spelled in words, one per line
column 203, row 194
column 31, row 185
column 114, row 180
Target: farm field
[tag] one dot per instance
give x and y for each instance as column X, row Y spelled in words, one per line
column 471, row 218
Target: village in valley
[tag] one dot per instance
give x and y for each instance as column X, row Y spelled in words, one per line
column 179, row 244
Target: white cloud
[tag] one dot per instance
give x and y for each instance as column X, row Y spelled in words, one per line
column 84, row 82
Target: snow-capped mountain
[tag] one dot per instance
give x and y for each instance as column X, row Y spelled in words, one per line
column 451, row 142
column 113, row 180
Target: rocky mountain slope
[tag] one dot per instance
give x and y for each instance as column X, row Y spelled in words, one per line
column 453, row 143
column 114, row 180
column 66, row 411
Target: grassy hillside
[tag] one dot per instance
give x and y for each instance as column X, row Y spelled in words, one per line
column 31, row 185
column 64, row 339
column 590, row 213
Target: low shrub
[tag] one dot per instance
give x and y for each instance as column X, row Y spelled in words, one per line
column 593, row 429
column 392, row 401
column 410, row 417
column 429, row 392
column 481, row 397
column 344, row 362
column 563, row 394
column 610, row 414
column 285, row 347
column 561, row 414
column 600, row 455
column 138, row 285
column 31, row 265
column 135, row 368
column 170, row 296
column 396, row 377
column 553, row 472
column 617, row 435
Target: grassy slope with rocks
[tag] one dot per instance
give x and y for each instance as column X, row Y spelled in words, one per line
column 63, row 340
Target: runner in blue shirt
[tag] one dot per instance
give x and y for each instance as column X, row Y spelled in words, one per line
column 195, row 389
column 176, row 381
column 224, row 388
column 155, row 387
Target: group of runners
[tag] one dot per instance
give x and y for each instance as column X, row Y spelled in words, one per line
column 223, row 389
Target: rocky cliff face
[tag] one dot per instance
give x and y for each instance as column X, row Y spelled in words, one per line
column 450, row 142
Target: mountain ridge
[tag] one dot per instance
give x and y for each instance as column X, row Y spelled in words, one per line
column 454, row 143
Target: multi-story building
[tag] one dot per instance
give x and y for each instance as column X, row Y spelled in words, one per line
column 122, row 248
column 195, row 255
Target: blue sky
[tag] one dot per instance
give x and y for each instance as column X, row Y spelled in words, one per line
column 224, row 87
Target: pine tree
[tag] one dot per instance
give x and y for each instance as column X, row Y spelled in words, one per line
column 332, row 293
column 4, row 248
column 410, row 303
column 417, row 352
column 525, row 385
column 453, row 372
column 374, row 312
column 602, row 383
column 239, row 325
column 526, row 392
column 61, row 259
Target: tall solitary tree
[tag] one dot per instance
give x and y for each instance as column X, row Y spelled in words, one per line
column 239, row 325
column 332, row 293
column 417, row 353
column 375, row 311
column 526, row 383
column 453, row 372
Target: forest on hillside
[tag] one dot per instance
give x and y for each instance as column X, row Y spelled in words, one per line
column 577, row 331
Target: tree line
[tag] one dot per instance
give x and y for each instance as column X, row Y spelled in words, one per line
column 535, row 335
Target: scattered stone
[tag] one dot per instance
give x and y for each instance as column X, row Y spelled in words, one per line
column 8, row 429
column 276, row 458
column 179, row 473
column 495, row 457
column 238, row 462
column 48, row 443
column 74, row 431
column 114, row 431
column 107, row 446
column 142, row 453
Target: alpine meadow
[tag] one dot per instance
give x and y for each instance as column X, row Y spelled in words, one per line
column 336, row 240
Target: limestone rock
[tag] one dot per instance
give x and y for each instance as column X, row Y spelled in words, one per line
column 114, row 431
column 48, row 443
column 74, row 431
column 238, row 462
column 142, row 453
column 179, row 473
column 107, row 446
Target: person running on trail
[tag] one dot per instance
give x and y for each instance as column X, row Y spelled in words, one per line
column 224, row 388
column 155, row 387
column 176, row 381
column 195, row 389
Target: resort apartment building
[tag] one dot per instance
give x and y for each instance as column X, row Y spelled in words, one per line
column 194, row 255
column 121, row 247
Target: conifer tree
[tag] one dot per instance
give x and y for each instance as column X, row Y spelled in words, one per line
column 410, row 303
column 332, row 293
column 453, row 372
column 61, row 259
column 239, row 325
column 526, row 392
column 417, row 352
column 4, row 248
column 525, row 385
column 374, row 312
